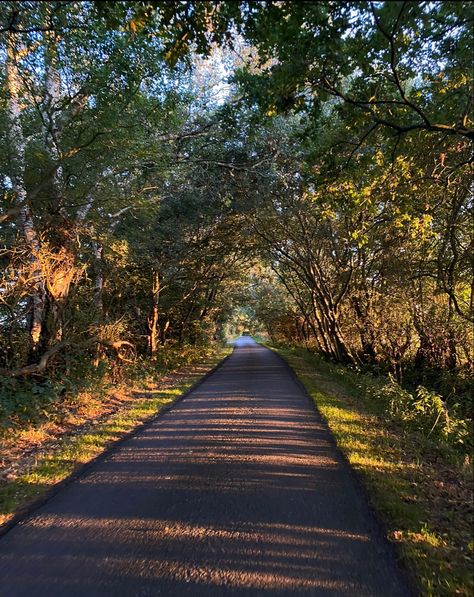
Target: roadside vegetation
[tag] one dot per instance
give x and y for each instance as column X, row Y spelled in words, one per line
column 42, row 452
column 412, row 461
column 174, row 173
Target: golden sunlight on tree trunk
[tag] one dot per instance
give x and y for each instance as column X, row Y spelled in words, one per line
column 154, row 314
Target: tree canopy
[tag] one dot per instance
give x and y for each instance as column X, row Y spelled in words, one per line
column 169, row 169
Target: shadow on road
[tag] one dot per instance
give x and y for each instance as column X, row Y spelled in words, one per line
column 238, row 490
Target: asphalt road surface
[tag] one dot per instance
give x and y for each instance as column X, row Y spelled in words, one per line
column 237, row 490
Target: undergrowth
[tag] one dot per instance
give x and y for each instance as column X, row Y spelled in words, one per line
column 414, row 457
column 27, row 402
column 437, row 425
column 57, row 462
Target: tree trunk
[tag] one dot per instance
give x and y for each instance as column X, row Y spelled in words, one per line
column 154, row 314
column 366, row 334
column 50, row 112
column 164, row 331
column 451, row 356
column 98, row 276
column 25, row 221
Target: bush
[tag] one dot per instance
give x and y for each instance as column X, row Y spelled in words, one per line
column 423, row 410
column 430, row 411
column 24, row 401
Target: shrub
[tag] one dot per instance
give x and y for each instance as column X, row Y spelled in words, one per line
column 24, row 401
column 423, row 410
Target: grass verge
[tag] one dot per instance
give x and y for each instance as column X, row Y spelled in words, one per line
column 421, row 495
column 62, row 457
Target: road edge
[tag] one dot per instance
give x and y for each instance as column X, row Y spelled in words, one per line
column 407, row 575
column 25, row 512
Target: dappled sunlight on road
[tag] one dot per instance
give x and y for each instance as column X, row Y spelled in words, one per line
column 238, row 487
column 289, row 551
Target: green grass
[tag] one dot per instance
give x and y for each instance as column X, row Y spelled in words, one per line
column 72, row 452
column 420, row 493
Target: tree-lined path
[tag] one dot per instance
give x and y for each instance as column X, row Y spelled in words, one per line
column 237, row 490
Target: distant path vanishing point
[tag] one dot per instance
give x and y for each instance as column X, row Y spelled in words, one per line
column 237, row 490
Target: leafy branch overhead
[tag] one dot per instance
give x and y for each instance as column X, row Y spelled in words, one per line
column 170, row 166
column 401, row 66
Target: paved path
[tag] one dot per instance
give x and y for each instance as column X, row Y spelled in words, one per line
column 237, row 490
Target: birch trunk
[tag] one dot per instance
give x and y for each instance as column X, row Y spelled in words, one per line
column 61, row 270
column 164, row 331
column 52, row 97
column 18, row 165
column 50, row 116
column 98, row 250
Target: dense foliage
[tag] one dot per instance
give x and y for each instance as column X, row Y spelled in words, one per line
column 367, row 222
column 325, row 188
